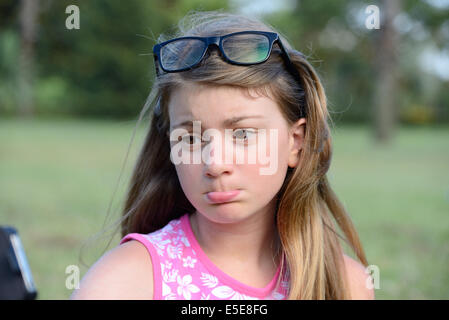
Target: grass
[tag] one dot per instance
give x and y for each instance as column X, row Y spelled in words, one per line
column 58, row 176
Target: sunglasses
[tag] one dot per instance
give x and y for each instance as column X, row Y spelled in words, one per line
column 239, row 48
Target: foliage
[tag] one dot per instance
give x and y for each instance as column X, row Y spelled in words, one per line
column 105, row 69
column 334, row 36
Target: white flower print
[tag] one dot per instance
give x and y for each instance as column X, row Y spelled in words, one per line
column 168, row 264
column 166, row 292
column 223, row 292
column 175, row 240
column 204, row 297
column 168, row 228
column 165, row 289
column 188, row 262
column 185, row 241
column 159, row 251
column 156, row 238
column 241, row 296
column 226, row 292
column 171, row 296
column 159, row 245
column 174, row 252
column 208, row 280
column 186, row 288
column 171, row 275
column 278, row 296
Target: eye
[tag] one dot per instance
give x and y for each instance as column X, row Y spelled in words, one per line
column 191, row 139
column 244, row 135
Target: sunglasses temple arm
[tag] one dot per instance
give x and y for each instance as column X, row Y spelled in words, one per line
column 292, row 69
column 156, row 65
column 288, row 63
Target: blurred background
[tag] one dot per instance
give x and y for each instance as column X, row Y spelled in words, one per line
column 70, row 99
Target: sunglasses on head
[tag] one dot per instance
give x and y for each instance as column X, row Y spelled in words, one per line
column 239, row 48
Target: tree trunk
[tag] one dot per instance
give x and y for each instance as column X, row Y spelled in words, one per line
column 28, row 30
column 385, row 99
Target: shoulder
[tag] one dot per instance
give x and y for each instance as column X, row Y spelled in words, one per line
column 357, row 279
column 124, row 272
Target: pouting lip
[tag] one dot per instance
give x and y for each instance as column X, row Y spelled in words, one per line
column 228, row 190
column 222, row 197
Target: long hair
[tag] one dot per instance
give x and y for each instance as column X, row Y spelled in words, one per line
column 308, row 212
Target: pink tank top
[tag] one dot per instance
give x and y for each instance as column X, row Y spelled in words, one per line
column 182, row 271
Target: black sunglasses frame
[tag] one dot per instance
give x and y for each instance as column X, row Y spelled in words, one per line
column 217, row 41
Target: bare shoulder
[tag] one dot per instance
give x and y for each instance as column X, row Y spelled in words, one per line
column 124, row 272
column 357, row 280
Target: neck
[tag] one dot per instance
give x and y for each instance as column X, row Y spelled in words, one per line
column 252, row 241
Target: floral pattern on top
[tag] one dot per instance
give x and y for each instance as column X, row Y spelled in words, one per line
column 182, row 271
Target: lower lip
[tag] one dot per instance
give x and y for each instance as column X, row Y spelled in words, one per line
column 221, row 197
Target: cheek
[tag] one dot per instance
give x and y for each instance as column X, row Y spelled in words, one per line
column 268, row 173
column 186, row 174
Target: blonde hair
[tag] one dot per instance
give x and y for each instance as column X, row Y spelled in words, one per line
column 307, row 209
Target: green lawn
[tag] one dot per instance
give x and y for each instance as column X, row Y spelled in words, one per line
column 57, row 179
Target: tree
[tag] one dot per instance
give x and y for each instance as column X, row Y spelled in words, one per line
column 372, row 76
column 385, row 104
column 28, row 26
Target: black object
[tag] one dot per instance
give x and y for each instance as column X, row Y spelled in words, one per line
column 16, row 281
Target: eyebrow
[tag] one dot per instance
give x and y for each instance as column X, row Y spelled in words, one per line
column 226, row 123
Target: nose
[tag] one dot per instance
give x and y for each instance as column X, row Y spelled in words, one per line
column 215, row 163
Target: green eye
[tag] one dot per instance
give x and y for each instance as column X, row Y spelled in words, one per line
column 244, row 134
column 191, row 140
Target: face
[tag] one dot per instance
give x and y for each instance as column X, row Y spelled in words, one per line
column 237, row 174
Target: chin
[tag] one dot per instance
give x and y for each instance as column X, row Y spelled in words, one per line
column 230, row 212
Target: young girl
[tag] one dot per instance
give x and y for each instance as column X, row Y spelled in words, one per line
column 220, row 228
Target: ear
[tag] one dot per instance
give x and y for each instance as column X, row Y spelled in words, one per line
column 296, row 140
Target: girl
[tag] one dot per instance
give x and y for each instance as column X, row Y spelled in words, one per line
column 220, row 228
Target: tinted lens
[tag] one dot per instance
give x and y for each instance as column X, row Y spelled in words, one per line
column 181, row 54
column 246, row 48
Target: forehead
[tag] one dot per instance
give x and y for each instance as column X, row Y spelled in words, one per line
column 217, row 103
